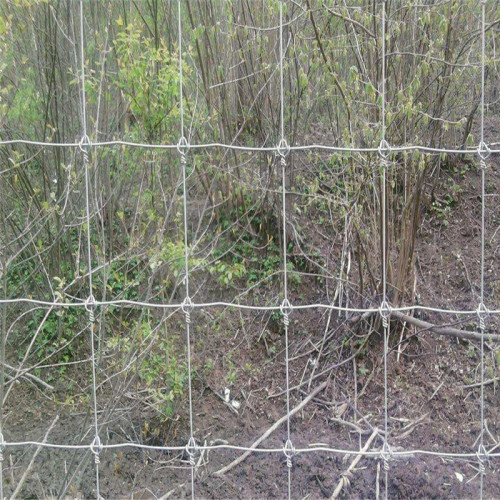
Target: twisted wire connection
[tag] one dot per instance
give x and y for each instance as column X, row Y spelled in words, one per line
column 289, row 452
column 191, row 451
column 385, row 313
column 385, row 163
column 90, row 305
column 286, row 319
column 283, row 161
column 482, row 314
column 482, row 459
column 85, row 145
column 286, row 310
column 187, row 308
column 386, row 455
column 96, row 448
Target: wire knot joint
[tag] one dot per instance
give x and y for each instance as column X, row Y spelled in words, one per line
column 183, row 148
column 482, row 457
column 384, row 150
column 385, row 313
column 484, row 152
column 187, row 308
column 96, row 448
column 85, row 146
column 289, row 452
column 482, row 313
column 386, row 455
column 191, row 450
column 90, row 305
column 283, row 149
column 286, row 310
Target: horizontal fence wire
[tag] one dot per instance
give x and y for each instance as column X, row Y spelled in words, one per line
column 207, row 447
column 248, row 307
column 255, row 149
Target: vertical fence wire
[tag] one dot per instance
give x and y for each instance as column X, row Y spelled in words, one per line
column 283, row 150
column 2, row 374
column 483, row 152
column 85, row 146
column 187, row 306
column 384, row 152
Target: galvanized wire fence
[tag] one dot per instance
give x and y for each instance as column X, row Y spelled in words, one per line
column 286, row 308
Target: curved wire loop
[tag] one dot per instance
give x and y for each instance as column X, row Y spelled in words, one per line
column 90, row 303
column 482, row 313
column 187, row 305
column 187, row 308
column 84, row 143
column 483, row 150
column 191, row 451
column 96, row 448
column 386, row 455
column 283, row 148
column 289, row 452
column 385, row 312
column 482, row 458
column 384, row 150
column 286, row 308
column 183, row 146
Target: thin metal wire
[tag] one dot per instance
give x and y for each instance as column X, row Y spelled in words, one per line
column 255, row 149
column 181, row 97
column 248, row 307
column 95, row 447
column 383, row 72
column 3, row 326
column 282, row 101
column 384, row 151
column 182, row 148
column 283, row 151
column 409, row 453
column 482, row 456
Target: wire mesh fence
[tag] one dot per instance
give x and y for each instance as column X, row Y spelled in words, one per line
column 187, row 305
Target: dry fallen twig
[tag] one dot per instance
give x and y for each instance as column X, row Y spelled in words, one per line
column 271, row 429
column 344, row 480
